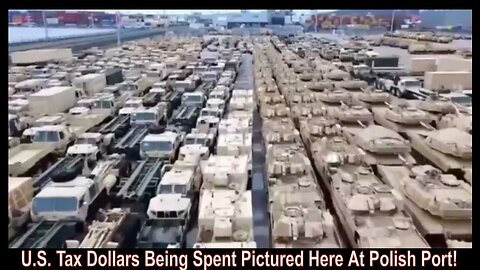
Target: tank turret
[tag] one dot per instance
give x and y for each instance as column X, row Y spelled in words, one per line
column 442, row 195
column 371, row 95
column 381, row 140
column 460, row 121
column 352, row 84
column 337, row 75
column 352, row 114
column 320, row 86
column 286, row 160
column 308, row 109
column 451, row 141
column 280, row 131
column 334, row 96
column 437, row 104
column 407, row 115
column 371, row 214
column 277, row 110
column 335, row 152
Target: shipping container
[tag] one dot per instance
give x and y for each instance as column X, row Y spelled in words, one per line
column 420, row 65
column 114, row 76
column 91, row 83
column 448, row 80
column 45, row 101
column 454, row 64
column 40, row 56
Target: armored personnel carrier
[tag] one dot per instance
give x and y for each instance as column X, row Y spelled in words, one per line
column 225, row 217
column 439, row 203
column 402, row 118
column 450, row 149
column 370, row 211
column 225, row 173
column 280, row 131
column 382, row 145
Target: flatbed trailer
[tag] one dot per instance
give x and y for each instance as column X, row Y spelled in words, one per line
column 68, row 163
column 25, row 158
column 45, row 234
column 119, row 126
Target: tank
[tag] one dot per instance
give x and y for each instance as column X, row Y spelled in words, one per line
column 440, row 204
column 374, row 96
column 315, row 128
column 272, row 111
column 308, row 109
column 407, row 115
column 320, row 86
column 437, row 105
column 337, row 75
column 460, row 121
column 286, row 160
column 451, row 141
column 382, row 145
column 334, row 96
column 332, row 152
column 370, row 212
column 352, row 84
column 280, row 131
column 349, row 114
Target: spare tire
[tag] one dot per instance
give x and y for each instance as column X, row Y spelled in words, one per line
column 156, row 129
column 64, row 176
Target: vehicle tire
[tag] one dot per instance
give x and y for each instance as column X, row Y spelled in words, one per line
column 64, row 176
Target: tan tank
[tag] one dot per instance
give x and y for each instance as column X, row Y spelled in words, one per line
column 280, row 131
column 333, row 152
column 374, row 96
column 320, row 86
column 370, row 211
column 315, row 128
column 382, row 145
column 337, row 75
column 451, row 141
column 352, row 114
column 334, row 96
column 407, row 115
column 437, row 105
column 304, row 110
column 352, row 85
column 440, row 204
column 460, row 121
column 279, row 110
column 403, row 118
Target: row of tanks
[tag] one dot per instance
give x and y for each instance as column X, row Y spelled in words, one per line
column 395, row 176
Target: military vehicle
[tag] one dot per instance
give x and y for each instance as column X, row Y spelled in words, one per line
column 450, row 149
column 315, row 128
column 439, row 203
column 280, row 131
column 333, row 97
column 274, row 111
column 28, row 159
column 351, row 115
column 305, row 110
column 462, row 121
column 437, row 105
column 403, row 118
column 299, row 217
column 370, row 211
column 225, row 173
column 225, row 217
column 20, row 195
column 114, row 228
column 235, row 125
column 372, row 97
column 164, row 146
column 381, row 145
column 234, row 144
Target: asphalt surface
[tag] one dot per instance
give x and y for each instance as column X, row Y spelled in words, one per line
column 261, row 216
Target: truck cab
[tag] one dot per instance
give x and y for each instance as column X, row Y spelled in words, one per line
column 91, row 144
column 164, row 145
column 105, row 105
column 216, row 104
column 130, row 106
column 58, row 136
column 81, row 105
column 148, row 116
column 196, row 99
column 52, row 120
column 210, row 76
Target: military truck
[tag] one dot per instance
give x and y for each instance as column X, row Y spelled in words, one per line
column 20, row 195
column 164, row 145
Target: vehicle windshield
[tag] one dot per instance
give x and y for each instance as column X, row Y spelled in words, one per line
column 46, row 136
column 53, row 204
column 173, row 189
column 193, row 140
column 144, row 116
column 464, row 100
column 84, row 104
column 131, row 105
column 209, row 113
column 413, row 84
column 91, row 141
column 192, row 98
column 103, row 104
column 157, row 146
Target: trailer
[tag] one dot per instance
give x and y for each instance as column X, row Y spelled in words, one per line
column 27, row 159
column 20, row 195
column 115, row 228
column 45, row 101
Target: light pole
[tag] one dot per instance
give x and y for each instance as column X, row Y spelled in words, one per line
column 393, row 20
column 118, row 28
column 45, row 24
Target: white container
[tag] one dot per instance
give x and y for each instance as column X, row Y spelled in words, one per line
column 449, row 80
column 51, row 100
column 91, row 83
